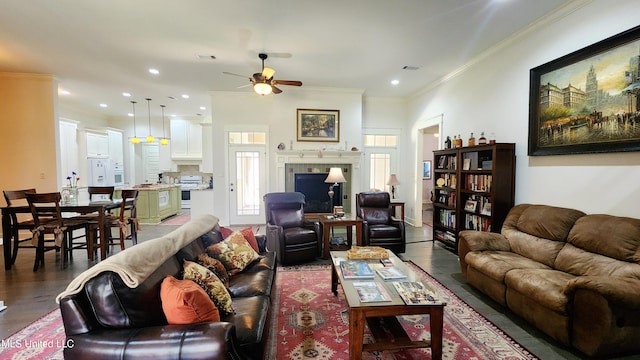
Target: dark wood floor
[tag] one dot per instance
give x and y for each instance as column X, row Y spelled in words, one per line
column 30, row 295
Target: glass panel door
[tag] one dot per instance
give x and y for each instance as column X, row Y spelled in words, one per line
column 248, row 183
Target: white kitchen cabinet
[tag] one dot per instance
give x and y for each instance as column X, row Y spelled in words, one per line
column 207, row 148
column 97, row 145
column 68, row 150
column 186, row 140
column 116, row 150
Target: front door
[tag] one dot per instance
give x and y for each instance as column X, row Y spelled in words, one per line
column 247, row 184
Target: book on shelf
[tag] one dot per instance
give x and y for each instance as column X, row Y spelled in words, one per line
column 414, row 293
column 371, row 291
column 390, row 272
column 356, row 269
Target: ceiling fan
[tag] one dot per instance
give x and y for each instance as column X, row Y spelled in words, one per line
column 263, row 82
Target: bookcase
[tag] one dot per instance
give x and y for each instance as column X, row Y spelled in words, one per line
column 474, row 189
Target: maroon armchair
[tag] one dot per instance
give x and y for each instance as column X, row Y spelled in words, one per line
column 294, row 239
column 379, row 227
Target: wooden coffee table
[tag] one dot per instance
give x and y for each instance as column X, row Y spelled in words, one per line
column 381, row 316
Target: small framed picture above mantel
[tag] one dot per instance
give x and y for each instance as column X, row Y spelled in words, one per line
column 318, row 125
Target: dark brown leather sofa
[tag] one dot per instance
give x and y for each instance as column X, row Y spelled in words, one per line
column 105, row 317
column 574, row 276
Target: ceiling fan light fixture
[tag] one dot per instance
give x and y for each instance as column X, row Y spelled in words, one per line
column 268, row 73
column 262, row 88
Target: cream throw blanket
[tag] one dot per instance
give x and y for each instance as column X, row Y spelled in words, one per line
column 135, row 264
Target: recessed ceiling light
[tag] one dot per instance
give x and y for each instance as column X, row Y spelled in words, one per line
column 130, row 114
column 63, row 92
column 103, row 105
column 185, row 96
column 126, row 94
column 154, row 71
column 395, row 82
column 203, row 108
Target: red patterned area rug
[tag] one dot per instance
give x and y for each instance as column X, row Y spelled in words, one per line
column 311, row 323
column 43, row 339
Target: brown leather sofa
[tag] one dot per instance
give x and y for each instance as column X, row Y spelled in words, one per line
column 576, row 277
column 105, row 317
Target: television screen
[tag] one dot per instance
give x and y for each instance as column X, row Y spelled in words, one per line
column 316, row 192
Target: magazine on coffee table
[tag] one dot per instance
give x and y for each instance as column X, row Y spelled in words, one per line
column 414, row 293
column 356, row 269
column 389, row 273
column 371, row 291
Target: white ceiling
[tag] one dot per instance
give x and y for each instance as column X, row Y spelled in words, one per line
column 99, row 49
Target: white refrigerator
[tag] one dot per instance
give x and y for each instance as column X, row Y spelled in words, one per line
column 99, row 172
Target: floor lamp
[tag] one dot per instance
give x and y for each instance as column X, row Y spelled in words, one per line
column 393, row 181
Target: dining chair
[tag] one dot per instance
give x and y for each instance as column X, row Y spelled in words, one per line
column 96, row 193
column 19, row 221
column 126, row 221
column 48, row 220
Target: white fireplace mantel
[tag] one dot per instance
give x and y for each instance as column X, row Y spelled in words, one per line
column 354, row 158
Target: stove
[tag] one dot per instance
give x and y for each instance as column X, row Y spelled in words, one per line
column 187, row 183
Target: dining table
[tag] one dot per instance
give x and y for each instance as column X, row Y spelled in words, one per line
column 100, row 207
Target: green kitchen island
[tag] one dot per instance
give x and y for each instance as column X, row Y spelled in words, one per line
column 156, row 202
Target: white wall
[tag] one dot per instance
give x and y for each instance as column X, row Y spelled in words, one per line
column 492, row 95
column 276, row 114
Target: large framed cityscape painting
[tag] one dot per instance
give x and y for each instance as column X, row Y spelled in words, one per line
column 588, row 101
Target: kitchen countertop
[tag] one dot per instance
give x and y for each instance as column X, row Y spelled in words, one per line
column 154, row 186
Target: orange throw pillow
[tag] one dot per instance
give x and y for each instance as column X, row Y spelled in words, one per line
column 246, row 232
column 185, row 302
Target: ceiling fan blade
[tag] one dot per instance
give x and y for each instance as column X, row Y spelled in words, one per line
column 288, row 82
column 228, row 73
column 276, row 90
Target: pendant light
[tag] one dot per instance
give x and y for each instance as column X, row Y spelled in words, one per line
column 164, row 140
column 150, row 138
column 134, row 139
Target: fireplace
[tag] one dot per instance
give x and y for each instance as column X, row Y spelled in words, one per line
column 292, row 162
column 316, row 191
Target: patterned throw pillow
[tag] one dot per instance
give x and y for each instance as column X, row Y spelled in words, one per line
column 184, row 302
column 216, row 266
column 246, row 232
column 211, row 285
column 234, row 252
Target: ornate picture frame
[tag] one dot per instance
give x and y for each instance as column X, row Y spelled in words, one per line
column 318, row 125
column 587, row 101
